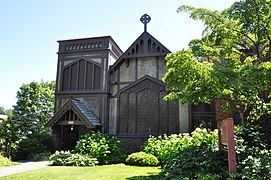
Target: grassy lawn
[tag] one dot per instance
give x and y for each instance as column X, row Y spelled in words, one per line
column 9, row 164
column 112, row 172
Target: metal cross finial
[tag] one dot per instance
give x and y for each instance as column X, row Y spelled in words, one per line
column 145, row 19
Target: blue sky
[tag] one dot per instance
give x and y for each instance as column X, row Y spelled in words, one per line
column 30, row 30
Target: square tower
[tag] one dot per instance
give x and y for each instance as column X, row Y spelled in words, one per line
column 82, row 90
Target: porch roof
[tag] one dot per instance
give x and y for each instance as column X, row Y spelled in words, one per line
column 86, row 116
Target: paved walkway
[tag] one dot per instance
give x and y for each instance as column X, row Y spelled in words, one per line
column 23, row 167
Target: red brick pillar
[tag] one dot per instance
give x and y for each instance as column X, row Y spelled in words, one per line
column 219, row 113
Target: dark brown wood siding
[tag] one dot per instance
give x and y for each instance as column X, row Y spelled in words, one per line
column 97, row 79
column 89, row 76
column 81, row 79
column 80, row 76
column 143, row 111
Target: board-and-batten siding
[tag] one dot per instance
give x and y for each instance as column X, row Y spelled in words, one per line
column 81, row 75
column 143, row 111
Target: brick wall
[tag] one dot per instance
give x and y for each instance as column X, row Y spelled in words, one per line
column 219, row 113
column 132, row 144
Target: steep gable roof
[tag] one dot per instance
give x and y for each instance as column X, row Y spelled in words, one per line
column 144, row 46
column 86, row 116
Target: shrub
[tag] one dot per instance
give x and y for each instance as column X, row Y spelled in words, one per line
column 41, row 156
column 207, row 176
column 4, row 161
column 250, row 135
column 142, row 159
column 253, row 159
column 66, row 158
column 34, row 144
column 187, row 156
column 197, row 162
column 197, row 156
column 257, row 166
column 104, row 148
column 164, row 147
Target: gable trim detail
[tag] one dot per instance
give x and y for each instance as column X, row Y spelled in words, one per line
column 150, row 83
column 85, row 116
column 144, row 46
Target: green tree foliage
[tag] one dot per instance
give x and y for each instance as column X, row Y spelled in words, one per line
column 34, row 107
column 5, row 111
column 2, row 110
column 26, row 121
column 8, row 136
column 231, row 61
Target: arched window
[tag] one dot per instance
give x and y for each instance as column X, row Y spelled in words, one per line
column 80, row 76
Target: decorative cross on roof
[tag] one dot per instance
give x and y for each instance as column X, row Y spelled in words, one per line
column 145, row 19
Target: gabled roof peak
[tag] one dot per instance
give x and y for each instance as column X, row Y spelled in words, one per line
column 144, row 46
column 79, row 107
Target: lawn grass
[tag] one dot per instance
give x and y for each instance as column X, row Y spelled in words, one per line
column 112, row 172
column 9, row 164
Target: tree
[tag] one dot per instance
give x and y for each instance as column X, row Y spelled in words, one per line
column 5, row 111
column 23, row 132
column 8, row 136
column 9, row 139
column 34, row 107
column 2, row 110
column 231, row 61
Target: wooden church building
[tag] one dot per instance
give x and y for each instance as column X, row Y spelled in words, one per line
column 99, row 87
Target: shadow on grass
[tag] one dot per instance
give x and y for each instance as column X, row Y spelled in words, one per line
column 151, row 176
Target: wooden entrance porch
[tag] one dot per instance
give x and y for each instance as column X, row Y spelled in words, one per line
column 71, row 121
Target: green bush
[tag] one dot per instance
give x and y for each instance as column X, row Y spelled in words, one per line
column 66, row 158
column 34, row 144
column 250, row 135
column 197, row 156
column 207, row 176
column 253, row 159
column 4, row 161
column 196, row 162
column 256, row 166
column 185, row 156
column 142, row 159
column 164, row 147
column 106, row 149
column 41, row 156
